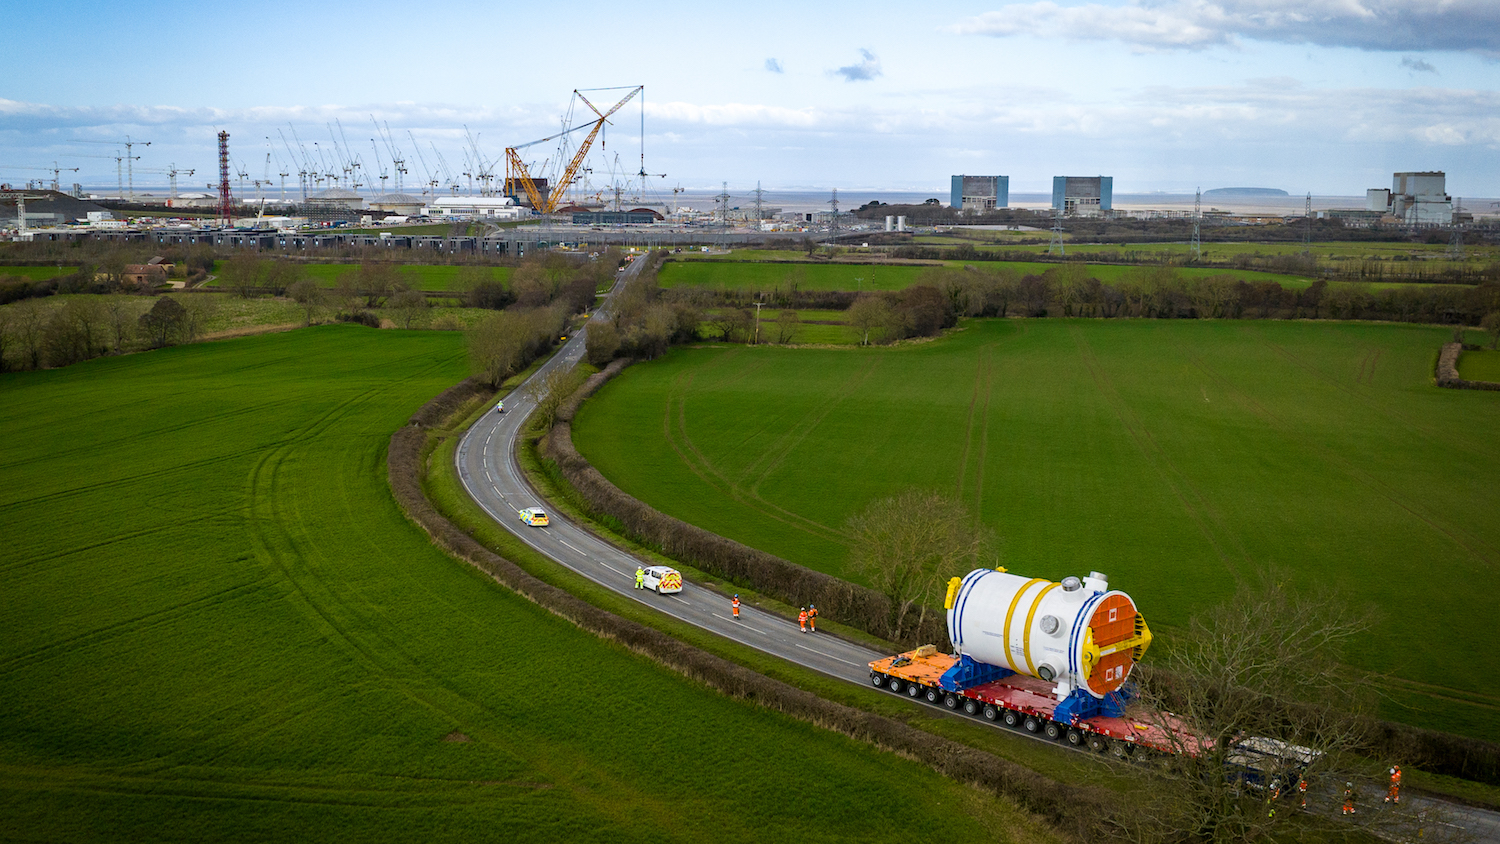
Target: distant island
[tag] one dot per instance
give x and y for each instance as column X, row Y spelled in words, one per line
column 1246, row 192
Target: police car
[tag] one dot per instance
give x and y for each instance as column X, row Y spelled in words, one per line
column 663, row 579
column 534, row 516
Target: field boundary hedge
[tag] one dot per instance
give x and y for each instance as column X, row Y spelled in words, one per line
column 1447, row 371
column 850, row 603
column 1076, row 811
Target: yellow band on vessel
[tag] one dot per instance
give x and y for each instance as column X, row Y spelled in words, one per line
column 1011, row 613
column 1031, row 614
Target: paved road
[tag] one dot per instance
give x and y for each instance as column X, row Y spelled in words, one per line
column 489, row 471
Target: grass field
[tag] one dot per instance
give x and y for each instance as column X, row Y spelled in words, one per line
column 1177, row 457
column 1480, row 366
column 433, row 278
column 217, row 625
column 721, row 275
column 36, row 273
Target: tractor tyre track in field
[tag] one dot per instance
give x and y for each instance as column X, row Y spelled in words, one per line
column 71, row 644
column 1368, row 401
column 1154, row 454
column 166, row 526
column 1478, row 548
column 675, row 429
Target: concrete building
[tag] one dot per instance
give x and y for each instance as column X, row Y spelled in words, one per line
column 1083, row 196
column 397, row 203
column 1415, row 198
column 980, row 193
column 492, row 207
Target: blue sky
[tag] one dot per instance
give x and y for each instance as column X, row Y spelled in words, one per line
column 1328, row 96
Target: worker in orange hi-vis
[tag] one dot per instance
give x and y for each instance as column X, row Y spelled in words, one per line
column 1302, row 790
column 1393, row 794
column 1348, row 798
column 802, row 619
column 812, row 618
column 735, row 605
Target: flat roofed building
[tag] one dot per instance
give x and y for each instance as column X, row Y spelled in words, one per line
column 980, row 193
column 1417, row 198
column 1083, row 195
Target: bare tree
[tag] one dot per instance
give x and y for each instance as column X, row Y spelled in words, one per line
column 305, row 292
column 375, row 282
column 869, row 314
column 909, row 544
column 786, row 326
column 121, row 315
column 30, row 319
column 1260, row 671
column 197, row 311
column 409, row 307
column 548, row 392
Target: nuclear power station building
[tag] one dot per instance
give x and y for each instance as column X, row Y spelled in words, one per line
column 1417, row 199
column 980, row 193
column 1085, row 196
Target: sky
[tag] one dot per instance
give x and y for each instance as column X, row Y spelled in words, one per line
column 1321, row 96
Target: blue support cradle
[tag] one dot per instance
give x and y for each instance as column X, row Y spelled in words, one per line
column 967, row 673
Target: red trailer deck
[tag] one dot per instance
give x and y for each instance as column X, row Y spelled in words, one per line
column 1028, row 703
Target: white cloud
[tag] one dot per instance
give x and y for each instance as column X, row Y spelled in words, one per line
column 1459, row 25
column 774, row 66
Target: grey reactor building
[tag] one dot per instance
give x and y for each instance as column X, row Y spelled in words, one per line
column 980, row 193
column 1085, row 196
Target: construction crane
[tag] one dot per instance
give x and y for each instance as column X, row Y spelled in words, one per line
column 129, row 158
column 20, row 199
column 55, row 170
column 518, row 176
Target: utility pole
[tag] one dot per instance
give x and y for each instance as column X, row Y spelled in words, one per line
column 757, row 322
column 1307, row 228
column 833, row 221
column 1055, row 246
column 723, row 200
column 1197, row 247
column 758, row 215
column 1456, row 244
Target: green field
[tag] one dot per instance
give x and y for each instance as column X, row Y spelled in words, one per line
column 217, row 625
column 433, row 278
column 37, row 273
column 1480, row 366
column 1178, row 457
column 721, row 275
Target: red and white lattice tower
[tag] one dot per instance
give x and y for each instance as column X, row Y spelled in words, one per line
column 224, row 198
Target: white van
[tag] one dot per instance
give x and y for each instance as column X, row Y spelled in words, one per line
column 663, row 579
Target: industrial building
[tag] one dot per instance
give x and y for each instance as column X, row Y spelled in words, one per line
column 491, row 207
column 980, row 193
column 1417, row 199
column 1083, row 196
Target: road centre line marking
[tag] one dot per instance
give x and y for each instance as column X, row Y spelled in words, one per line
column 575, row 550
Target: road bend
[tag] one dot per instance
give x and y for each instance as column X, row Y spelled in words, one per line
column 487, row 466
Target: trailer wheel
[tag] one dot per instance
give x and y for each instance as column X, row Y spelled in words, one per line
column 1033, row 724
column 1010, row 718
column 950, row 700
column 1075, row 738
column 1097, row 743
column 913, row 690
column 1120, row 749
column 894, row 684
column 1053, row 730
column 933, row 695
column 990, row 712
column 877, row 680
column 971, row 706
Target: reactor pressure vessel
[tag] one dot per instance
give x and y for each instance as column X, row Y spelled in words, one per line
column 1077, row 633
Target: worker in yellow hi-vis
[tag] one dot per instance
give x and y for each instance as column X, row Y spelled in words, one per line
column 640, row 578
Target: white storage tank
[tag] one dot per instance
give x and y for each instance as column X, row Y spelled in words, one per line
column 1077, row 633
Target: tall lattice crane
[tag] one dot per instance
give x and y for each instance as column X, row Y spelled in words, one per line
column 518, row 176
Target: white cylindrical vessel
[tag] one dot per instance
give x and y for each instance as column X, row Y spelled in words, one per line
column 1077, row 633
